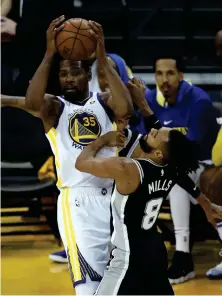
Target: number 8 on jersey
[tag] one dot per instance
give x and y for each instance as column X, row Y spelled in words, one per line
column 151, row 213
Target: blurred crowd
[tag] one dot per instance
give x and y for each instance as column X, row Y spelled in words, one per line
column 23, row 28
column 23, row 139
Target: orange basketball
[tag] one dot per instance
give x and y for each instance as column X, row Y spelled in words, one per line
column 74, row 41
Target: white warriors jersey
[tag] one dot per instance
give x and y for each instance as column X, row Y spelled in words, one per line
column 76, row 127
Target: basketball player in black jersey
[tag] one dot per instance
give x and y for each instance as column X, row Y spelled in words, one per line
column 139, row 264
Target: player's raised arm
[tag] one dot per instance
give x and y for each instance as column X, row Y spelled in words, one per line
column 37, row 87
column 120, row 102
column 19, row 102
column 101, row 167
column 188, row 185
column 13, row 101
column 123, row 170
column 137, row 90
column 6, row 6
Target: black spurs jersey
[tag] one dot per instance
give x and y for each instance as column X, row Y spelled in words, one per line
column 132, row 141
column 134, row 215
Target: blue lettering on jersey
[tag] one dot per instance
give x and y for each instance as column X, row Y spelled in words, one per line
column 87, row 110
column 77, row 146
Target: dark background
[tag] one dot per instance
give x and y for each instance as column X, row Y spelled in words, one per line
column 137, row 30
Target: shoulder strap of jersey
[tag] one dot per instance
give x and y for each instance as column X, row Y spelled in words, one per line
column 61, row 98
column 148, row 167
column 148, row 160
column 133, row 138
column 140, row 169
column 108, row 111
column 61, row 108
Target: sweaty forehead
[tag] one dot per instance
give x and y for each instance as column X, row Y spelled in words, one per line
column 70, row 64
column 165, row 64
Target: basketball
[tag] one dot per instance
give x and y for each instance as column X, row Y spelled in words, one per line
column 74, row 41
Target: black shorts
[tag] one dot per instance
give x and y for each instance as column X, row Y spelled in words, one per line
column 142, row 271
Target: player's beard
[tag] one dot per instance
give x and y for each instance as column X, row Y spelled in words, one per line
column 74, row 95
column 144, row 145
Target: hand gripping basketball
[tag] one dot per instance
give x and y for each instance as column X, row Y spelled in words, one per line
column 74, row 41
column 55, row 27
column 97, row 32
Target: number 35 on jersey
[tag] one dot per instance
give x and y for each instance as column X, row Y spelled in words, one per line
column 84, row 128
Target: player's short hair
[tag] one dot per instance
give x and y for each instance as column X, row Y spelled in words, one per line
column 86, row 64
column 182, row 152
column 180, row 65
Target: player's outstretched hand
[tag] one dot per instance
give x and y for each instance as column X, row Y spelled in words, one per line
column 217, row 211
column 114, row 139
column 96, row 31
column 55, row 27
column 8, row 26
column 137, row 90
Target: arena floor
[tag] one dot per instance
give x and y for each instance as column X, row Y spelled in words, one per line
column 26, row 269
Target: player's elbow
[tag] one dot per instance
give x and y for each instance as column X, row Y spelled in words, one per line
column 79, row 165
column 130, row 108
column 33, row 102
column 129, row 104
column 82, row 165
column 30, row 104
column 124, row 110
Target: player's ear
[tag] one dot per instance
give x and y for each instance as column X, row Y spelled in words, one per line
column 89, row 75
column 159, row 154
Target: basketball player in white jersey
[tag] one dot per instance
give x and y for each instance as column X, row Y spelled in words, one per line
column 71, row 123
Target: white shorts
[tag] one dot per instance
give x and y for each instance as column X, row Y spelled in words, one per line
column 84, row 225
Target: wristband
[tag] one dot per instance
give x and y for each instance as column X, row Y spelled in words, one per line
column 152, row 122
